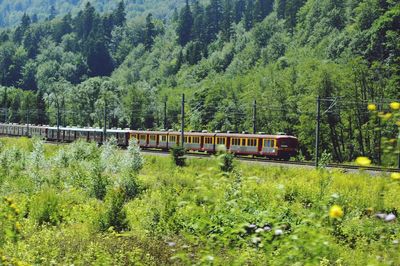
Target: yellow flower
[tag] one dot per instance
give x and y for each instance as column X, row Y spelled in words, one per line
column 387, row 116
column 363, row 161
column 395, row 176
column 398, row 123
column 371, row 107
column 395, row 105
column 17, row 226
column 336, row 212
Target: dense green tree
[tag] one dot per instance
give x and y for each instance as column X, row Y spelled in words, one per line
column 149, row 32
column 228, row 20
column 214, row 17
column 249, row 15
column 185, row 24
column 119, row 15
column 99, row 60
column 62, row 28
column 20, row 30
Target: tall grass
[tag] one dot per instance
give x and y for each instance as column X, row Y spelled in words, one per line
column 101, row 205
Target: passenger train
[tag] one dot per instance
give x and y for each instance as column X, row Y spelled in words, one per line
column 271, row 146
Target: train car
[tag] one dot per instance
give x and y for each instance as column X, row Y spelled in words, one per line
column 200, row 141
column 121, row 135
column 37, row 131
column 270, row 146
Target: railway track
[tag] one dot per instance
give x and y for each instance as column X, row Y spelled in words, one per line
column 286, row 163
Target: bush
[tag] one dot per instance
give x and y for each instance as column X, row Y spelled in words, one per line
column 45, row 207
column 115, row 215
column 178, row 155
column 226, row 162
column 134, row 160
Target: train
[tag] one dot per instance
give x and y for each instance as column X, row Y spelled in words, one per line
column 279, row 146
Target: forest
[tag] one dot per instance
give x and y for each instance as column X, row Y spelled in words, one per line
column 223, row 54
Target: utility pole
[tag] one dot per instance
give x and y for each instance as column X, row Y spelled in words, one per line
column 317, row 131
column 105, row 122
column 254, row 117
column 58, row 121
column 165, row 113
column 5, row 106
column 379, row 136
column 27, row 122
column 183, row 121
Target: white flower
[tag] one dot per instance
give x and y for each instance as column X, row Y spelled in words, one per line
column 171, row 244
column 278, row 232
column 390, row 217
column 381, row 215
column 259, row 230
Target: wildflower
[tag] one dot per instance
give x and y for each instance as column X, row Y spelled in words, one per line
column 387, row 116
column 256, row 240
column 171, row 244
column 267, row 228
column 398, row 123
column 336, row 211
column 278, row 232
column 259, row 230
column 380, row 215
column 371, row 107
column 363, row 161
column 395, row 105
column 390, row 217
column 395, row 176
column 17, row 226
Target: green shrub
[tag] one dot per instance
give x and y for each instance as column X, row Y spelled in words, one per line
column 226, row 162
column 115, row 215
column 45, row 207
column 178, row 155
column 99, row 182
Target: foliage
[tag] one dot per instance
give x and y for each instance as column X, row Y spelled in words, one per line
column 226, row 163
column 253, row 215
column 178, row 155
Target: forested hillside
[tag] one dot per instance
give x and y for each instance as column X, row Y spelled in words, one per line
column 11, row 11
column 223, row 54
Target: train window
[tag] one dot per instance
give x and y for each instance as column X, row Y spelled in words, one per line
column 195, row 140
column 143, row 137
column 208, row 140
column 235, row 142
column 163, row 138
column 153, row 137
column 221, row 141
column 269, row 143
column 252, row 142
column 172, row 138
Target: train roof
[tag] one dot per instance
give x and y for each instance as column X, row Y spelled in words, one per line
column 265, row 136
column 91, row 129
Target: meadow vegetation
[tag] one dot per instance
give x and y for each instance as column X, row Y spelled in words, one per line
column 82, row 204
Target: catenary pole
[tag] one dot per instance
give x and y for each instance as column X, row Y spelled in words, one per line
column 183, row 121
column 165, row 113
column 105, row 122
column 254, row 117
column 317, row 129
column 58, row 121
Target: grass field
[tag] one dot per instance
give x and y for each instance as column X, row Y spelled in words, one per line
column 84, row 205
